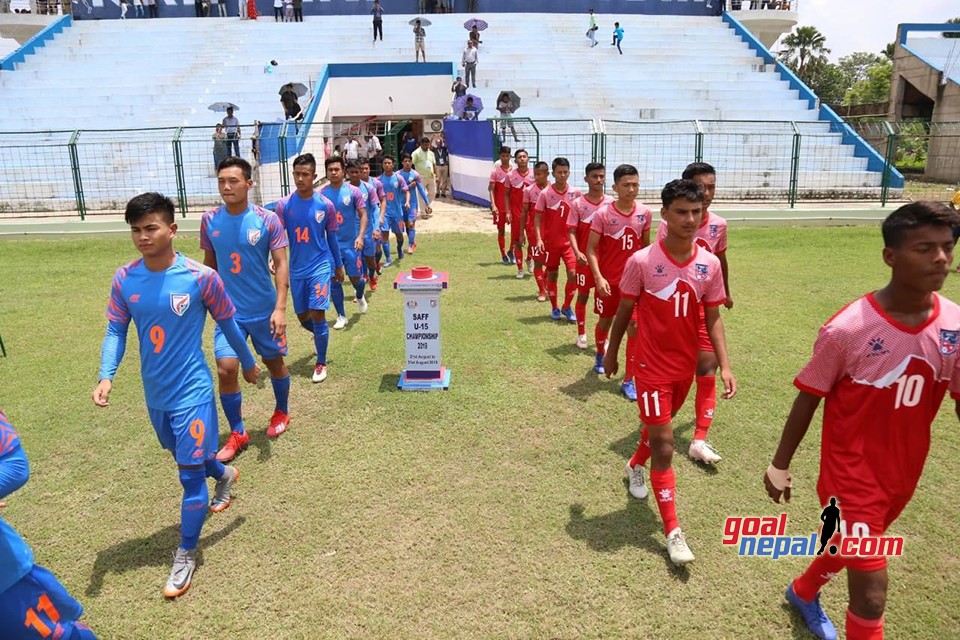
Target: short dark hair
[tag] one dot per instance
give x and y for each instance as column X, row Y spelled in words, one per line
column 424, row 139
column 406, row 156
column 147, row 203
column 364, row 162
column 560, row 162
column 593, row 166
column 541, row 165
column 519, row 151
column 351, row 164
column 506, row 150
column 924, row 213
column 681, row 189
column 469, row 98
column 695, row 169
column 333, row 160
column 624, row 170
column 389, row 157
column 234, row 161
column 305, row 159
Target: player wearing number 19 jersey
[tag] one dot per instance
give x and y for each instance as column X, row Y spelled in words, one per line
column 667, row 281
column 168, row 295
column 33, row 603
column 883, row 363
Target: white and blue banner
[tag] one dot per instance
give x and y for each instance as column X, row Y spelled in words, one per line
column 471, row 159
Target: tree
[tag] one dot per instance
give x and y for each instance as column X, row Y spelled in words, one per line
column 828, row 81
column 889, row 50
column 952, row 34
column 803, row 47
column 856, row 65
column 874, row 88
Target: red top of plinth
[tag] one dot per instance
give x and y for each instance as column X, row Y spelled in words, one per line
column 420, row 278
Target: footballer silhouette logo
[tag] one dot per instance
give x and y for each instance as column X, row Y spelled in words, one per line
column 179, row 303
column 830, row 517
column 253, row 236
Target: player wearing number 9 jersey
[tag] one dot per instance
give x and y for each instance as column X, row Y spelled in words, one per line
column 33, row 603
column 667, row 281
column 883, row 363
column 168, row 296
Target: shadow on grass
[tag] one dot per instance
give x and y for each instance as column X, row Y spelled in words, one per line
column 635, row 525
column 624, row 447
column 504, row 276
column 532, row 297
column 389, row 382
column 156, row 550
column 798, row 628
column 540, row 318
column 303, row 368
column 590, row 384
column 566, row 349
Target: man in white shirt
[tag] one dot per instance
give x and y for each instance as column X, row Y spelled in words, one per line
column 374, row 150
column 232, row 128
column 352, row 149
column 469, row 62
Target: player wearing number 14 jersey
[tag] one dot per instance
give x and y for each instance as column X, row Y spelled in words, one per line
column 883, row 363
column 168, row 295
column 667, row 281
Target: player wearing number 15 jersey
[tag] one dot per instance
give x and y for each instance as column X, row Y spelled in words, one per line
column 883, row 363
column 168, row 296
column 33, row 603
column 667, row 281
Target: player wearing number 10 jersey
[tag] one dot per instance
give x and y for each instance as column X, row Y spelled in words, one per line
column 667, row 281
column 33, row 603
column 883, row 363
column 168, row 295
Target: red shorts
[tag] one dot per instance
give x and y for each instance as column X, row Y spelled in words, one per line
column 703, row 338
column 516, row 231
column 536, row 254
column 553, row 255
column 659, row 401
column 606, row 306
column 585, row 280
column 500, row 218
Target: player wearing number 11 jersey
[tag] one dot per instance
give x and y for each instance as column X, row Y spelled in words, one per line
column 168, row 295
column 883, row 363
column 667, row 281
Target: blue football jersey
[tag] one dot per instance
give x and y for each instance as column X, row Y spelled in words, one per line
column 312, row 227
column 348, row 201
column 243, row 243
column 169, row 309
column 372, row 204
column 414, row 182
column 16, row 558
column 395, row 188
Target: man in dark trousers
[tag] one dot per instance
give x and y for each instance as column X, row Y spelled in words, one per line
column 377, row 13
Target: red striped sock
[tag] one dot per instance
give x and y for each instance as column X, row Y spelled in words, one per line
column 502, row 241
column 540, row 277
column 642, row 454
column 706, row 403
column 552, row 292
column 600, row 336
column 569, row 290
column 518, row 255
column 664, row 485
column 581, row 310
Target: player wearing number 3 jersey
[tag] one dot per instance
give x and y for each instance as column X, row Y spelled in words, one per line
column 883, row 363
column 168, row 296
column 33, row 603
column 667, row 281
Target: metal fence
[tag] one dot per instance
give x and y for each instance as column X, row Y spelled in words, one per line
column 86, row 172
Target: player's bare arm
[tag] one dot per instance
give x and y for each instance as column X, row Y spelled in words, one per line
column 777, row 478
column 719, row 341
column 603, row 287
column 210, row 258
column 281, row 276
column 581, row 256
column 339, row 274
column 537, row 221
column 358, row 242
column 722, row 257
column 493, row 201
column 620, row 323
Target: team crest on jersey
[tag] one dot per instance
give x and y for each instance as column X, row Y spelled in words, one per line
column 948, row 341
column 714, row 230
column 318, row 216
column 253, row 236
column 701, row 271
column 180, row 302
column 345, row 199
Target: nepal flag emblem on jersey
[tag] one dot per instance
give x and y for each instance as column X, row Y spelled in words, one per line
column 180, row 302
column 949, row 341
column 701, row 271
column 253, row 236
column 714, row 230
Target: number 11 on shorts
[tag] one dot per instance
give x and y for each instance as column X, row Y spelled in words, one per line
column 648, row 399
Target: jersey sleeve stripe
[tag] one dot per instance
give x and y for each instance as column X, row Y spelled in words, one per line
column 807, row 389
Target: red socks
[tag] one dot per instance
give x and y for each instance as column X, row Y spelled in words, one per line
column 502, row 241
column 581, row 311
column 665, row 489
column 705, row 404
column 630, row 370
column 540, row 276
column 820, row 572
column 642, row 454
column 552, row 292
column 569, row 290
column 862, row 629
column 600, row 337
column 518, row 254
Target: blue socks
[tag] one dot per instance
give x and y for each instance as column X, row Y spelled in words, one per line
column 231, row 403
column 337, row 297
column 321, row 338
column 412, row 236
column 193, row 509
column 361, row 283
column 281, row 390
column 386, row 249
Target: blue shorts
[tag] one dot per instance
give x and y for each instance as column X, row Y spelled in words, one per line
column 259, row 333
column 190, row 434
column 30, row 606
column 411, row 214
column 352, row 261
column 395, row 225
column 370, row 247
column 311, row 293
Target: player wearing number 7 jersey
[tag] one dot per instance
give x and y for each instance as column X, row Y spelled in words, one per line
column 667, row 281
column 168, row 295
column 239, row 240
column 33, row 603
column 883, row 363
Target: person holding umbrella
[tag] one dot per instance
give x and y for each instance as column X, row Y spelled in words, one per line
column 419, row 35
column 506, row 107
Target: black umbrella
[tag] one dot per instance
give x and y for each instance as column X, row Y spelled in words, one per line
column 512, row 98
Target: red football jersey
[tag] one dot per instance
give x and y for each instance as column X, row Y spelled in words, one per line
column 555, row 207
column 620, row 237
column 668, row 294
column 883, row 383
column 498, row 178
column 581, row 216
column 712, row 234
column 518, row 182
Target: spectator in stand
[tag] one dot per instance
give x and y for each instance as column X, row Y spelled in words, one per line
column 442, row 154
column 409, row 144
column 446, row 6
column 151, row 8
column 242, row 9
column 458, row 89
column 377, row 12
column 351, row 150
column 471, row 6
column 592, row 29
column 232, row 127
column 123, row 9
column 298, row 10
column 422, row 6
column 424, row 161
column 469, row 62
column 469, row 110
column 218, row 8
column 138, row 8
column 277, row 10
column 336, row 152
column 617, row 37
column 220, row 152
column 374, row 152
column 419, row 37
column 198, row 8
column 505, row 107
column 475, row 37
column 288, row 10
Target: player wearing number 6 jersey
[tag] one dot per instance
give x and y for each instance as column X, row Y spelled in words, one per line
column 239, row 240
column 883, row 363
column 667, row 281
column 168, row 295
column 33, row 603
